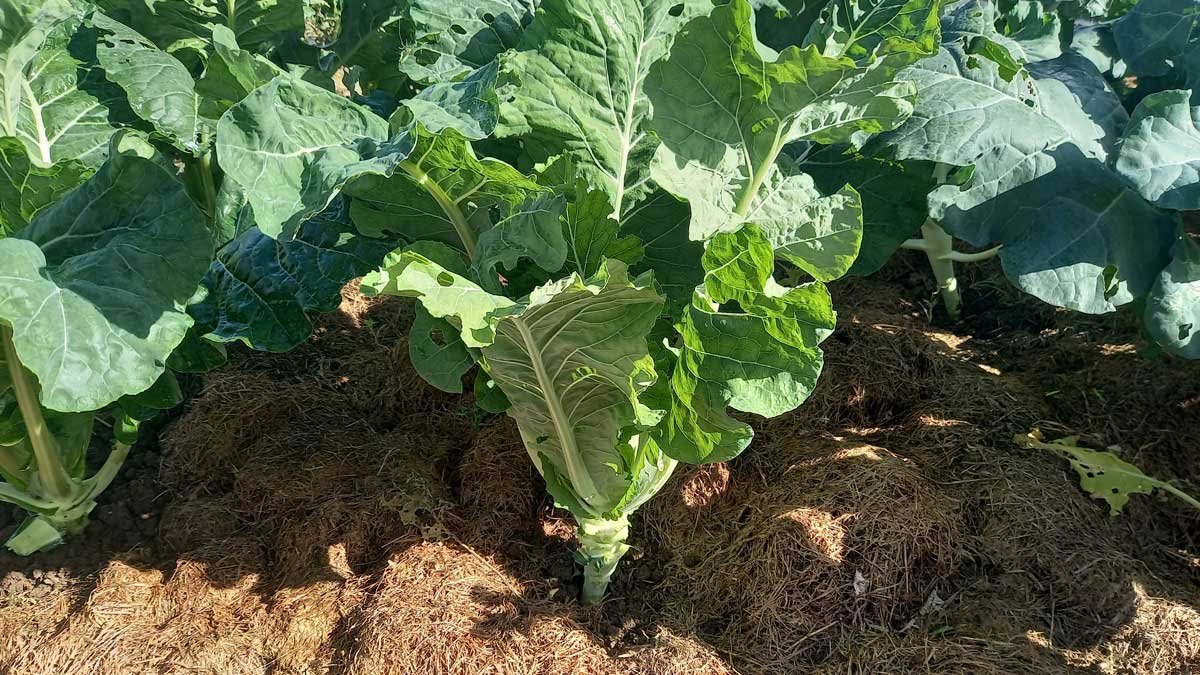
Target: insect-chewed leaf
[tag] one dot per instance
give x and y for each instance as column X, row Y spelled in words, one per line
column 1103, row 474
column 1173, row 307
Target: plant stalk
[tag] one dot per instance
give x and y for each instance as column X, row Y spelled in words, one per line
column 455, row 214
column 602, row 543
column 939, row 247
column 55, row 483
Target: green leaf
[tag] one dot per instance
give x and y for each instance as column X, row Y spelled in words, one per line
column 572, row 364
column 119, row 256
column 1077, row 237
column 261, row 290
column 164, row 394
column 257, row 25
column 969, row 115
column 453, row 38
column 1036, row 30
column 1160, row 152
column 159, row 88
column 592, row 236
column 230, row 74
column 721, row 140
column 292, row 145
column 53, row 100
column 582, row 73
column 1102, row 474
column 858, row 28
column 26, row 188
column 488, row 396
column 437, row 352
column 661, row 222
column 759, row 357
column 530, row 230
column 1155, row 33
column 469, row 106
column 893, row 198
column 442, row 182
column 445, row 294
column 1173, row 308
column 197, row 354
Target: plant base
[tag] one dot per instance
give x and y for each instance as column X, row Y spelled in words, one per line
column 602, row 543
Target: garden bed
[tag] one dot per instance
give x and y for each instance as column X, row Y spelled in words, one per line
column 328, row 512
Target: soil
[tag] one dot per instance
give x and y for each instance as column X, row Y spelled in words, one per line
column 325, row 511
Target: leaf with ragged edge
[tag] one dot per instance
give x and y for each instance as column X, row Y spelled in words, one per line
column 257, row 25
column 661, row 222
column 572, row 365
column 857, row 28
column 488, row 396
column 820, row 235
column 230, row 74
column 1173, row 308
column 444, row 294
column 261, row 290
column 26, row 188
column 53, row 100
column 581, row 87
column 453, row 38
column 1155, row 33
column 1102, row 474
column 120, row 255
column 1077, row 237
column 724, row 113
column 530, row 230
column 291, row 146
column 893, row 198
column 159, row 87
column 592, row 236
column 1159, row 153
column 469, row 106
column 442, row 180
column 761, row 358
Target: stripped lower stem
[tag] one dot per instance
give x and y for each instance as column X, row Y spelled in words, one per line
column 56, row 485
column 602, row 543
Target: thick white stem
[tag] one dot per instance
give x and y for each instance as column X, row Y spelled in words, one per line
column 602, row 543
column 939, row 250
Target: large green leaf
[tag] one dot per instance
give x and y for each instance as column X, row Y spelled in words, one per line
column 724, row 112
column 761, row 357
column 96, row 283
column 436, row 193
column 572, row 364
column 1077, row 237
column 582, row 73
column 257, row 25
column 968, row 114
column 291, row 146
column 1173, row 307
column 53, row 99
column 469, row 106
column 159, row 88
column 1160, row 152
column 452, row 38
column 260, row 290
column 26, row 188
column 592, row 236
